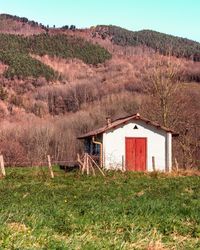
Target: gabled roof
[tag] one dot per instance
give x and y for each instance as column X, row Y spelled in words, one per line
column 124, row 120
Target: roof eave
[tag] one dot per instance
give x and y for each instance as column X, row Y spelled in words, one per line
column 135, row 117
column 83, row 137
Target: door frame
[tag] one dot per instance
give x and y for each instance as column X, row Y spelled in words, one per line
column 146, row 155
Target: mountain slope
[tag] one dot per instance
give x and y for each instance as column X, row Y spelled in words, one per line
column 40, row 117
column 20, row 25
column 15, row 50
column 160, row 42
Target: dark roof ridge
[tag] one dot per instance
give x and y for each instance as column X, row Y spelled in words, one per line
column 124, row 117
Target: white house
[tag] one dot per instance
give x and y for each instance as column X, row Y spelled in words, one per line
column 131, row 143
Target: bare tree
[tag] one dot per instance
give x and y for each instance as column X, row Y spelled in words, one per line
column 162, row 85
column 172, row 103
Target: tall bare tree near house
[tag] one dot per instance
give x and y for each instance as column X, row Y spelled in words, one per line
column 162, row 86
column 171, row 104
column 188, row 142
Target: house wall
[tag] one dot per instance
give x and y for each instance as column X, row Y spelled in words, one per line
column 157, row 145
column 169, row 152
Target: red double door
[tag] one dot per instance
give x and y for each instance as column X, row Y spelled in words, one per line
column 136, row 154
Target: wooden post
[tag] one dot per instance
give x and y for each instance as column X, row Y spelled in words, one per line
column 79, row 162
column 93, row 171
column 87, row 165
column 96, row 165
column 2, row 166
column 84, row 164
column 153, row 163
column 123, row 166
column 176, row 164
column 50, row 167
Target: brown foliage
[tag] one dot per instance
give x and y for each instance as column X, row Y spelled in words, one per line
column 175, row 105
column 45, row 118
column 13, row 152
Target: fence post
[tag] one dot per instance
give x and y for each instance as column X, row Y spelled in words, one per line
column 153, row 163
column 176, row 164
column 50, row 167
column 2, row 166
column 87, row 164
column 123, row 165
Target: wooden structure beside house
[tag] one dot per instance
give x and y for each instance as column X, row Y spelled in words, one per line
column 131, row 143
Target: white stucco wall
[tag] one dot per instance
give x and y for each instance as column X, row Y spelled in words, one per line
column 157, row 145
column 169, row 152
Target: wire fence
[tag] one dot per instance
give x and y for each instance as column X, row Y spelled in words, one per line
column 85, row 162
column 45, row 163
column 38, row 163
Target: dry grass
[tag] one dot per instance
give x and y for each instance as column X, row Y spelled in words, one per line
column 185, row 172
column 17, row 227
column 72, row 70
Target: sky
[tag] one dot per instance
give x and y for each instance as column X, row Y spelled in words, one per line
column 175, row 17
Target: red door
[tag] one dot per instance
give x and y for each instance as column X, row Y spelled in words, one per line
column 136, row 151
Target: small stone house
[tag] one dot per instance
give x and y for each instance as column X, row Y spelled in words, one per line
column 131, row 143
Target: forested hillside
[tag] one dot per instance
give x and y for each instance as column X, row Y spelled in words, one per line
column 15, row 50
column 160, row 42
column 61, row 83
column 20, row 25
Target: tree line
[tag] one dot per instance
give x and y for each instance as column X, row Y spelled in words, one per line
column 160, row 42
column 23, row 20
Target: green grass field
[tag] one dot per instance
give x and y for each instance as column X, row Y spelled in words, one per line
column 119, row 211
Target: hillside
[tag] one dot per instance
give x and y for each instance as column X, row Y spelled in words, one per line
column 15, row 52
column 61, row 83
column 20, row 25
column 160, row 42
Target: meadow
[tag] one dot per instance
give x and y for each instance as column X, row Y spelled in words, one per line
column 119, row 211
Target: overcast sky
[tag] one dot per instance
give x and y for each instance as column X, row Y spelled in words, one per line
column 176, row 17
